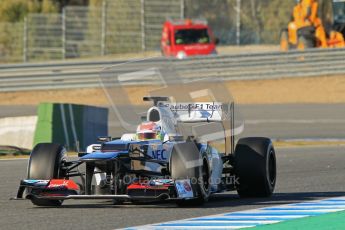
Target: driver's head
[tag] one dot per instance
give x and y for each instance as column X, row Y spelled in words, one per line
column 148, row 131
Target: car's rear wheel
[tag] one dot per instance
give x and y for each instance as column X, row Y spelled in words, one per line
column 255, row 167
column 45, row 164
column 186, row 162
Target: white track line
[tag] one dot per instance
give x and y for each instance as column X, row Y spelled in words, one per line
column 254, row 217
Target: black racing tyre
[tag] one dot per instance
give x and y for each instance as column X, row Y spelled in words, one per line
column 186, row 162
column 255, row 167
column 45, row 163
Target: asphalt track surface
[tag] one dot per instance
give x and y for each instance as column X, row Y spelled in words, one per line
column 304, row 173
column 288, row 121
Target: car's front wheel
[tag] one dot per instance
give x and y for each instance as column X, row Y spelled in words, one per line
column 45, row 164
column 186, row 162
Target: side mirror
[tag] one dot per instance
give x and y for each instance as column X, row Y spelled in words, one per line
column 175, row 138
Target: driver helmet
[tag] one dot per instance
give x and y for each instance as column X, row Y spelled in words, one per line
column 149, row 131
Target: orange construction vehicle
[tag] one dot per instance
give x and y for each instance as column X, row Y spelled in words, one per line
column 315, row 25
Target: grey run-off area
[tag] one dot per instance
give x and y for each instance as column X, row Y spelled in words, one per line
column 285, row 121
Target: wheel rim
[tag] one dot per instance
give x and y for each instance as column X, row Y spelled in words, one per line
column 271, row 168
column 205, row 175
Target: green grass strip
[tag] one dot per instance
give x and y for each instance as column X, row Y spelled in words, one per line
column 329, row 221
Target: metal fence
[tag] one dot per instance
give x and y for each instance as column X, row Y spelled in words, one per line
column 116, row 26
column 11, row 42
column 83, row 32
column 43, row 37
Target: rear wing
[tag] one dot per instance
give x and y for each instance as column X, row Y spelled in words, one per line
column 196, row 112
column 209, row 112
column 171, row 113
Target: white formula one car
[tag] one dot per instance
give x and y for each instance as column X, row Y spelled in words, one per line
column 155, row 163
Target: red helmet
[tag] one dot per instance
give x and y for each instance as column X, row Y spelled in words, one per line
column 148, row 130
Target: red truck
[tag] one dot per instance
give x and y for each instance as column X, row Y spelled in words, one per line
column 185, row 37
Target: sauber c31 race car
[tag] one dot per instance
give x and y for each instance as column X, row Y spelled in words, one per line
column 155, row 163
